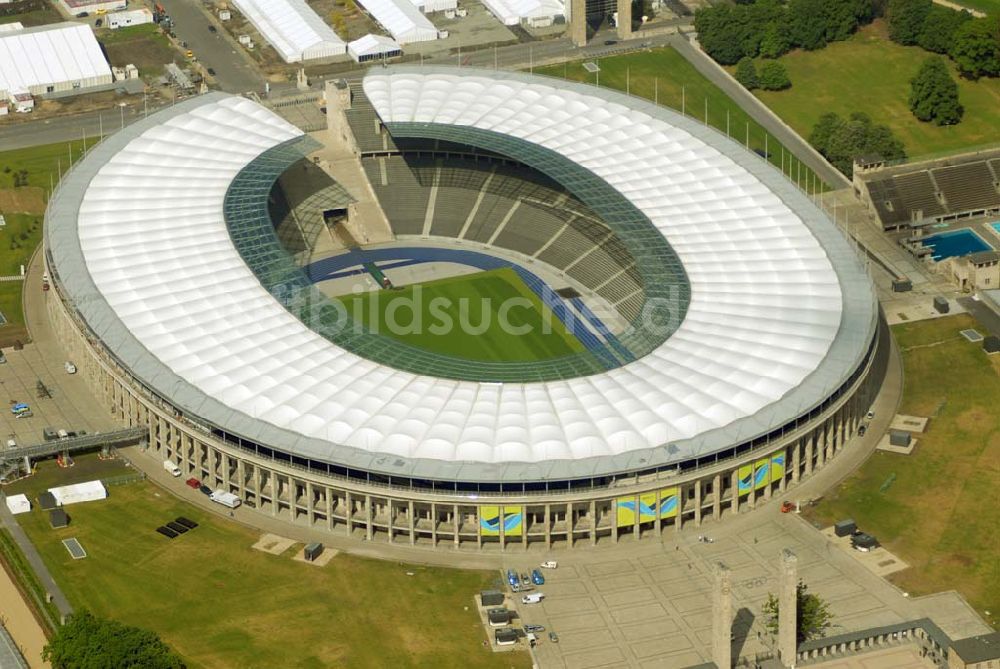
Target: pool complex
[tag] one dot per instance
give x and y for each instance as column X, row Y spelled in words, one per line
column 956, row 243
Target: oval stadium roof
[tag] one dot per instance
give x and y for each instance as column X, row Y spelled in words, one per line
column 781, row 312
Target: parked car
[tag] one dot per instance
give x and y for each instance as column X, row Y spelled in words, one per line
column 787, row 507
column 211, row 72
column 212, row 29
column 871, row 414
column 553, row 637
column 610, row 42
column 530, row 629
column 550, row 564
column 861, row 430
column 863, row 542
column 19, row 407
column 70, row 367
column 537, row 578
column 193, row 483
column 205, row 490
column 511, row 576
column 533, row 598
column 3, row 358
column 98, row 23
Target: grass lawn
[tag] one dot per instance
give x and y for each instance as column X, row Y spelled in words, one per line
column 664, row 75
column 871, row 74
column 941, row 513
column 23, row 210
column 44, row 15
column 444, row 307
column 220, row 603
column 144, row 46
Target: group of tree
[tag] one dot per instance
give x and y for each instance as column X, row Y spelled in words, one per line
column 89, row 642
column 972, row 43
column 812, row 618
column 771, row 28
column 842, row 140
column 771, row 75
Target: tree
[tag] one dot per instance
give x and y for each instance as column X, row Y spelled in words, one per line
column 775, row 42
column 813, row 614
column 807, row 23
column 841, row 141
column 906, row 19
column 719, row 33
column 939, row 28
column 746, row 74
column 975, row 48
column 641, row 8
column 773, row 76
column 844, row 16
column 88, row 642
column 934, row 94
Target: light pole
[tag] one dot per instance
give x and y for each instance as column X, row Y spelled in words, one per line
column 121, row 108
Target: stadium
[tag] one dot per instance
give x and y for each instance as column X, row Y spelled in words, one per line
column 694, row 335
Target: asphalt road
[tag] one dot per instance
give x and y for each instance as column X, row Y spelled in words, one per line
column 234, row 70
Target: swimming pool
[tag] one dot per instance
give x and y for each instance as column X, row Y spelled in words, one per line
column 956, row 243
column 996, row 226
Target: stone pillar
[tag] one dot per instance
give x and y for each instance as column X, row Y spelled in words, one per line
column 500, row 528
column 717, row 497
column 369, row 530
column 787, row 607
column 697, row 503
column 578, row 22
column 635, row 526
column 809, row 453
column 457, row 523
column 722, row 617
column 593, row 522
column 275, row 489
column 349, row 512
column 256, row 485
column 388, row 525
column 734, row 501
column 796, row 460
column 329, row 507
column 310, row 504
column 624, row 19
column 412, row 523
column 548, row 527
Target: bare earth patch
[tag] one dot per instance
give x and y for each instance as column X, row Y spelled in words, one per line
column 273, row 544
column 25, row 200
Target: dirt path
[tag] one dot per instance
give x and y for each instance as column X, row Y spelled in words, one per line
column 21, row 625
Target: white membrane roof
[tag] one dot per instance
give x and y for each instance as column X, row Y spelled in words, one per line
column 512, row 12
column 58, row 53
column 290, row 26
column 781, row 312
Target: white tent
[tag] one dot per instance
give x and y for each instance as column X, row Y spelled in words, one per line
column 533, row 12
column 295, row 31
column 373, row 47
column 79, row 492
column 18, row 504
column 428, row 6
column 402, row 20
column 53, row 58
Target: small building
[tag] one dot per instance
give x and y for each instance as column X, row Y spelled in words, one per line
column 899, row 438
column 18, row 504
column 58, row 518
column 977, row 652
column 81, row 7
column 499, row 617
column 505, row 636
column 132, row 17
column 845, row 528
column 88, row 491
column 428, row 6
column 491, row 598
column 976, row 271
column 225, row 15
column 373, row 48
column 312, row 551
column 991, row 344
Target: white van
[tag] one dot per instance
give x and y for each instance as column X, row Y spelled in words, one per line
column 11, row 443
column 550, row 564
column 70, row 367
column 533, row 598
column 225, row 498
column 171, row 468
column 63, row 434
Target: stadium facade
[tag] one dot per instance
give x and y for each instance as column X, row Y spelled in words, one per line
column 171, row 288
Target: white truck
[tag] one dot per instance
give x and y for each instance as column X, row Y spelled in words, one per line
column 171, row 468
column 225, row 498
column 533, row 598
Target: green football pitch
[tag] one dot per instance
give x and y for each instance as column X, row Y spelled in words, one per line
column 488, row 316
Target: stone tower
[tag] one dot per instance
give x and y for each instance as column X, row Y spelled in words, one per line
column 722, row 617
column 788, row 580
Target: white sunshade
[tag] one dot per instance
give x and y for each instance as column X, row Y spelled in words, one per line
column 294, row 30
column 766, row 302
column 402, row 20
column 79, row 492
column 60, row 53
column 512, row 12
column 18, row 504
